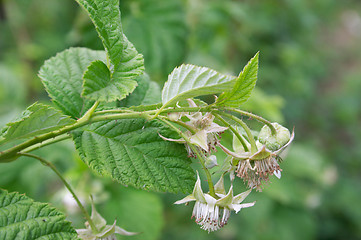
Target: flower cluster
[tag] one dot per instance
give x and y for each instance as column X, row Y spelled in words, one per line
column 256, row 168
column 205, row 132
column 213, row 213
column 254, row 159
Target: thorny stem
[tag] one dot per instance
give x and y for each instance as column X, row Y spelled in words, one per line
column 254, row 116
column 199, row 156
column 235, row 132
column 67, row 185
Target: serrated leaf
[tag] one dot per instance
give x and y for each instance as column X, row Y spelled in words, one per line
column 106, row 18
column 98, row 84
column 132, row 153
column 22, row 218
column 146, row 93
column 125, row 62
column 158, row 30
column 245, row 83
column 35, row 120
column 189, row 81
column 62, row 77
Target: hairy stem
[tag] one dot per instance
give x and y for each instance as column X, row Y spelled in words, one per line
column 245, row 127
column 47, row 142
column 235, row 132
column 254, row 116
column 67, row 185
column 89, row 117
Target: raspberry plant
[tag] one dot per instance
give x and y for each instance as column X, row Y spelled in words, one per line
column 149, row 142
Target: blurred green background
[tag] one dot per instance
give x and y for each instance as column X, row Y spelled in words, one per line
column 309, row 78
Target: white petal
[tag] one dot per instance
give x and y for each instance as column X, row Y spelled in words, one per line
column 211, row 201
column 277, row 173
column 238, row 207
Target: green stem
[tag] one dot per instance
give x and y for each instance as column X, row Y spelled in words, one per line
column 47, row 142
column 12, row 152
column 236, row 133
column 199, row 156
column 245, row 127
column 88, row 118
column 67, row 185
column 254, row 116
column 180, row 123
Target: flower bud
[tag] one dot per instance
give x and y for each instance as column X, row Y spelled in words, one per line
column 274, row 142
column 211, row 162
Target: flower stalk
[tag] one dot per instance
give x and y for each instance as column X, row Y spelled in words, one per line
column 67, row 185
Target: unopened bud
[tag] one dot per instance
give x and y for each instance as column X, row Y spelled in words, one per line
column 211, row 162
column 276, row 141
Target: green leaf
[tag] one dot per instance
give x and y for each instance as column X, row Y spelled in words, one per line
column 22, row 218
column 125, row 62
column 35, row 120
column 106, row 18
column 98, row 84
column 189, row 81
column 158, row 30
column 146, row 93
column 245, row 83
column 137, row 211
column 62, row 77
column 132, row 152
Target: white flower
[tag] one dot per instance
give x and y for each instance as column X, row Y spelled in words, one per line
column 256, row 168
column 102, row 231
column 205, row 134
column 211, row 213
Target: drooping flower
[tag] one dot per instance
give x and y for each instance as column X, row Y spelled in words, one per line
column 102, row 231
column 206, row 132
column 256, row 168
column 211, row 213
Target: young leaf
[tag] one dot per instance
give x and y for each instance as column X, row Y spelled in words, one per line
column 125, row 62
column 245, row 83
column 98, row 84
column 22, row 218
column 132, row 152
column 189, row 81
column 35, row 120
column 62, row 77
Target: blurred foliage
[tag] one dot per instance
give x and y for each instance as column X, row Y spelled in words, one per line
column 310, row 78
